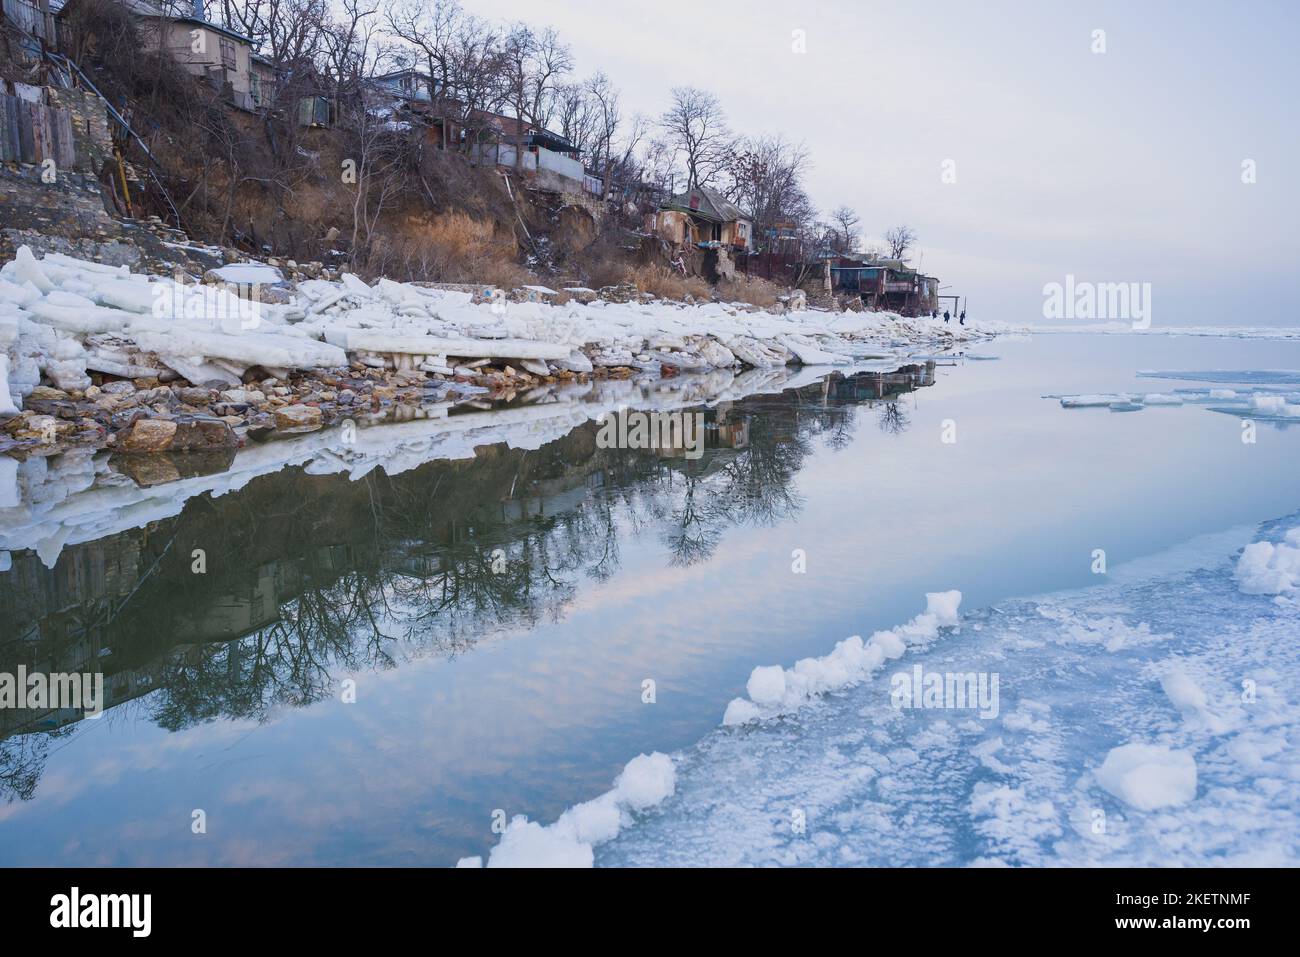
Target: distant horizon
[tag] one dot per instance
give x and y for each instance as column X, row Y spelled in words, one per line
column 1116, row 166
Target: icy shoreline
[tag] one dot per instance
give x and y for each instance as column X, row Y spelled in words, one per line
column 63, row 320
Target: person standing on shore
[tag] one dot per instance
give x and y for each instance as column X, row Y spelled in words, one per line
column 946, row 316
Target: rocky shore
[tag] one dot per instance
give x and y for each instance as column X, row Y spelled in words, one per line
column 94, row 356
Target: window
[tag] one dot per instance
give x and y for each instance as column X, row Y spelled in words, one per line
column 228, row 54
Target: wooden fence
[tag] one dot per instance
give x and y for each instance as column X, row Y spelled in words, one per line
column 28, row 18
column 33, row 132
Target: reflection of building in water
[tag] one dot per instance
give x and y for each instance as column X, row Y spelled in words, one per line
column 875, row 386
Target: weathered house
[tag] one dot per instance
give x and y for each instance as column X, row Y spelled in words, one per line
column 221, row 56
column 550, row 161
column 405, row 85
column 883, row 283
column 704, row 217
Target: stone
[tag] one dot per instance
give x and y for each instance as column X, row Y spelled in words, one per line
column 203, row 433
column 298, row 418
column 189, row 434
column 148, row 435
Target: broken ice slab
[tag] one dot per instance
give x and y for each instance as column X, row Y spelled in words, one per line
column 1288, row 416
column 1094, row 401
column 1244, row 376
column 383, row 342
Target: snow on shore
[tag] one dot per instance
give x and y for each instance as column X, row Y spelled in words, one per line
column 62, row 318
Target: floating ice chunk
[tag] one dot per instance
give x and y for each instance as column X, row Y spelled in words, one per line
column 1268, row 569
column 1185, row 694
column 1247, row 376
column 526, row 843
column 766, row 685
column 645, row 781
column 356, row 286
column 773, row 691
column 1148, row 776
column 1091, row 401
column 1159, row 398
column 741, row 711
column 944, row 606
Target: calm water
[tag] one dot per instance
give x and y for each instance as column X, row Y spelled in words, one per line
column 518, row 686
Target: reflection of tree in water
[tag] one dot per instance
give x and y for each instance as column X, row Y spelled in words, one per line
column 318, row 577
column 893, row 418
column 22, row 761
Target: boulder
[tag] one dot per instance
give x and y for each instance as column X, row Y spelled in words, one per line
column 298, row 418
column 199, row 433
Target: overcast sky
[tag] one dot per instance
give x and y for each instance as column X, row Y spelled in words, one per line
column 1122, row 166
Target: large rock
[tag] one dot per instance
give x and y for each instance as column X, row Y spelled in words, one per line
column 298, row 418
column 148, row 435
column 189, row 434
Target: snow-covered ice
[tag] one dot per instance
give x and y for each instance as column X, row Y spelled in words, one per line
column 61, row 318
column 1151, row 720
column 646, row 781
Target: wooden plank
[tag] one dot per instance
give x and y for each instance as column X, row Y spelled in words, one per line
column 67, row 141
column 8, row 130
column 26, row 146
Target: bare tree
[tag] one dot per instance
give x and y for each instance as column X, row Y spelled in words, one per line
column 575, row 115
column 766, row 180
column 533, row 65
column 900, row 240
column 607, row 119
column 696, row 126
column 284, row 31
column 845, row 221
column 457, row 51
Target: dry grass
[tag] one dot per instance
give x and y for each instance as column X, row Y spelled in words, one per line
column 451, row 247
column 754, row 290
column 652, row 278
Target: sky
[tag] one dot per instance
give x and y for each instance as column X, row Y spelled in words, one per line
column 1122, row 166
